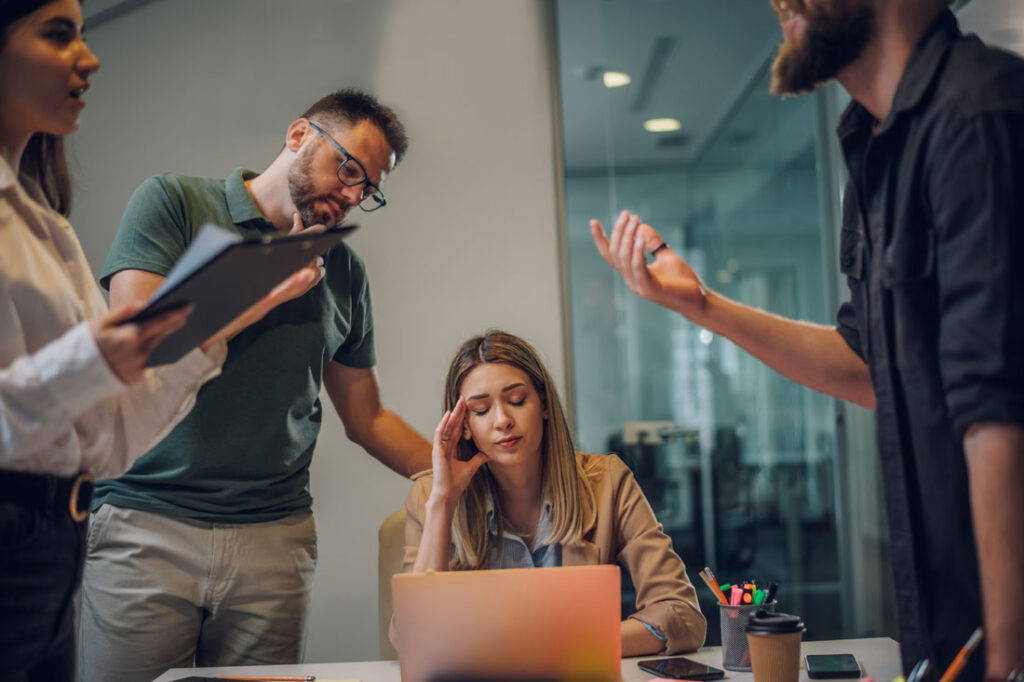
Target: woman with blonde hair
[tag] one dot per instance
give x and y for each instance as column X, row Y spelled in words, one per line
column 509, row 490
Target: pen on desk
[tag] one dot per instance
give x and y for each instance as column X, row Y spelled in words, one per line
column 919, row 671
column 709, row 578
column 960, row 661
column 268, row 678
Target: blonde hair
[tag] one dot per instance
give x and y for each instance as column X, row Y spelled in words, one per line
column 563, row 480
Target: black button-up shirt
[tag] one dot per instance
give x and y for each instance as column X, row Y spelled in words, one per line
column 933, row 250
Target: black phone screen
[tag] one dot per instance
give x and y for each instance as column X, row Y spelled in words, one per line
column 681, row 668
column 825, row 666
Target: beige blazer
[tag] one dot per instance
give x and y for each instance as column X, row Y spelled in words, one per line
column 625, row 532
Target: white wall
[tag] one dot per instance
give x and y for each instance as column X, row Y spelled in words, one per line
column 468, row 240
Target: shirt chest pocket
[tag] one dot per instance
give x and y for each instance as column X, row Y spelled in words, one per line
column 909, row 258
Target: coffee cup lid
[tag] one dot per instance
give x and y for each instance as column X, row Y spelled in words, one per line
column 765, row 623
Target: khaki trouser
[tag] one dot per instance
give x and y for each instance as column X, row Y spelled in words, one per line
column 161, row 592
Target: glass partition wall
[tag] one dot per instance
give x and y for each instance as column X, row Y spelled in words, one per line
column 749, row 473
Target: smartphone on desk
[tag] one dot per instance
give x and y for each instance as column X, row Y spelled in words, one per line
column 680, row 668
column 831, row 666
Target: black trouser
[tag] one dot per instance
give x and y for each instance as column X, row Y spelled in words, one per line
column 42, row 550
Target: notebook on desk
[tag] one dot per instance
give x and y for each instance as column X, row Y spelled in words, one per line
column 511, row 624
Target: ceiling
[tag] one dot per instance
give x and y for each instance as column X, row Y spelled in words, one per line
column 693, row 60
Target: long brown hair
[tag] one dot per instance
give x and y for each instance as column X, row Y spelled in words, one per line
column 44, row 165
column 563, row 480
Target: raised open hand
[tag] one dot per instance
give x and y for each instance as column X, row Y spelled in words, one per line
column 668, row 281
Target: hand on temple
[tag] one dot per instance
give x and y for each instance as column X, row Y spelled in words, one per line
column 451, row 474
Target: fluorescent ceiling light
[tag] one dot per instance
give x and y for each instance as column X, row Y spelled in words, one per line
column 616, row 79
column 662, row 125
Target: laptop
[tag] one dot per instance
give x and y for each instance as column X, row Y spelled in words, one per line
column 518, row 624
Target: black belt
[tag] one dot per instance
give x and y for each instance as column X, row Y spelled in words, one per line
column 47, row 492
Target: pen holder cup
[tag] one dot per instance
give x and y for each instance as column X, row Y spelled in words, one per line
column 734, row 619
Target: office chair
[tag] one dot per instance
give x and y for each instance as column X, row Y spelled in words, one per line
column 391, row 549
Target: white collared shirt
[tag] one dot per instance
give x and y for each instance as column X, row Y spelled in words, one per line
column 62, row 409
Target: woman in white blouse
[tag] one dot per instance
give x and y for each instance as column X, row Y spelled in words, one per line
column 75, row 398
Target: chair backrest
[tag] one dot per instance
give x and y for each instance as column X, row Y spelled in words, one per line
column 391, row 550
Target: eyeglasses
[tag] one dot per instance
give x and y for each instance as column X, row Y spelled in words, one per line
column 352, row 173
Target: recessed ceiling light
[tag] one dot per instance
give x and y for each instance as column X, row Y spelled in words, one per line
column 662, row 125
column 616, row 79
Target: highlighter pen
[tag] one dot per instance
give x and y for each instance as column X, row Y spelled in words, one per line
column 737, row 595
column 759, row 597
column 957, row 666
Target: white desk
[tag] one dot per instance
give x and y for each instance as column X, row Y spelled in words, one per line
column 879, row 658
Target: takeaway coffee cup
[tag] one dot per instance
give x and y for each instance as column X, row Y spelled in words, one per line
column 774, row 643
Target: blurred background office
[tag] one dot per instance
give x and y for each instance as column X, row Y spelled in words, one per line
column 527, row 117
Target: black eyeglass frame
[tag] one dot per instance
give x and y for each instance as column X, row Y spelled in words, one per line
column 371, row 191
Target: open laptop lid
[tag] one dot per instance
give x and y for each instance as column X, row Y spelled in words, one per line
column 511, row 624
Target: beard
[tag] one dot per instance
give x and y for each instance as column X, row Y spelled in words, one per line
column 836, row 34
column 303, row 194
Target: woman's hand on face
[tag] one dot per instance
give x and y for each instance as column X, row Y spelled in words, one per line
column 125, row 347
column 451, row 474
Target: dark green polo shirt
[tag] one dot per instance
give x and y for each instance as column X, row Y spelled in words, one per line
column 242, row 454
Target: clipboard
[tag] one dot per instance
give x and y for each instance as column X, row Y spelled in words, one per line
column 221, row 274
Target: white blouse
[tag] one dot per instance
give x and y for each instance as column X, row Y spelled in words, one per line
column 62, row 409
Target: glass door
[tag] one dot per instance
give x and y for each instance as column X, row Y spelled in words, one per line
column 745, row 469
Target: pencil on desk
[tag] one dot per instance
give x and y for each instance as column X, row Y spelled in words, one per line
column 268, row 678
column 709, row 579
column 955, row 668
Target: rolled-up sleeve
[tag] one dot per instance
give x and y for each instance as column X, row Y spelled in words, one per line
column 846, row 325
column 665, row 598
column 977, row 199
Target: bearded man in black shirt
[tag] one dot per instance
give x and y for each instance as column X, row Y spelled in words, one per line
column 932, row 336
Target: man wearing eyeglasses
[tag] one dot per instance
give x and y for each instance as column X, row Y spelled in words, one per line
column 204, row 551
